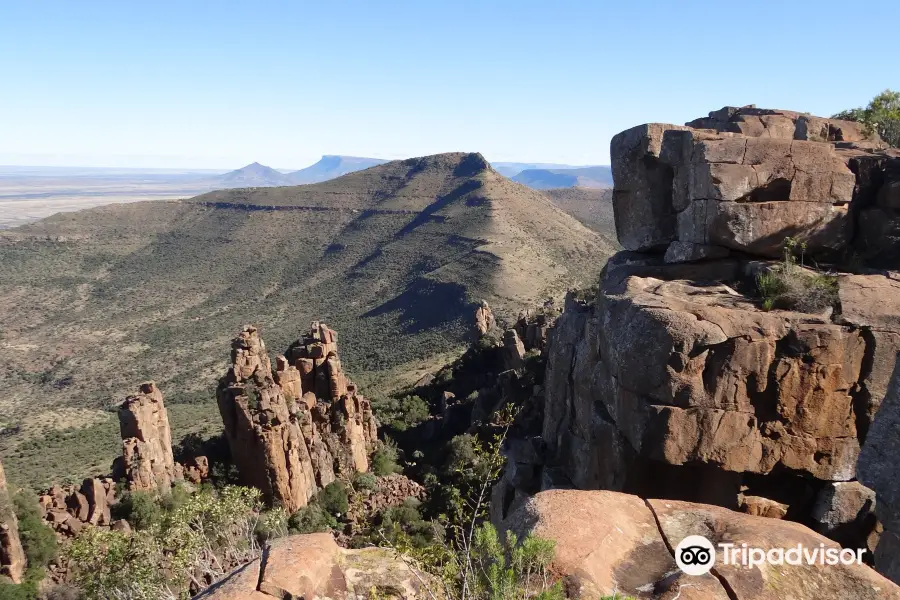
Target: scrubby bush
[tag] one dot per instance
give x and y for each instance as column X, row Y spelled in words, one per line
column 176, row 556
column 38, row 540
column 792, row 286
column 384, row 461
column 334, row 498
column 311, row 519
column 365, row 481
column 141, row 509
column 401, row 413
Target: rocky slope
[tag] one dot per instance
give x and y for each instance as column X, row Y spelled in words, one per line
column 91, row 302
column 674, row 381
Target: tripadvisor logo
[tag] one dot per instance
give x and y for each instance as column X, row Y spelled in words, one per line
column 696, row 555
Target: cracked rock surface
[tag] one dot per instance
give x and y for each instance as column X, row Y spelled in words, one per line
column 608, row 542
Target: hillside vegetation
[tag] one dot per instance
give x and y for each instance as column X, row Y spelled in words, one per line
column 393, row 257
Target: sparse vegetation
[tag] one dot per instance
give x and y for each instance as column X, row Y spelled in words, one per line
column 793, row 286
column 384, row 461
column 882, row 115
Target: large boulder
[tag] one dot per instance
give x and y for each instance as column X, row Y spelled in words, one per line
column 313, row 566
column 745, row 179
column 611, row 543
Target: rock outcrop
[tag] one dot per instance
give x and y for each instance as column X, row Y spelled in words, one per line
column 67, row 509
column 12, row 557
column 484, row 319
column 294, row 430
column 880, row 470
column 313, row 566
column 147, row 461
column 610, row 543
column 746, row 178
column 675, row 381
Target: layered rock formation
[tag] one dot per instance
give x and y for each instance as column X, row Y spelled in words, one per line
column 610, row 543
column 746, row 178
column 12, row 557
column 880, row 470
column 294, row 430
column 674, row 382
column 147, row 461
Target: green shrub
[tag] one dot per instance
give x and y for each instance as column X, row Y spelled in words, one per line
column 365, row 481
column 334, row 499
column 141, row 509
column 401, row 413
column 791, row 286
column 38, row 540
column 881, row 115
column 311, row 519
column 384, row 461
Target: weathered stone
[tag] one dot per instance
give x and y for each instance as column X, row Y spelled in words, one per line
column 678, row 520
column 879, row 470
column 289, row 446
column 608, row 543
column 513, row 350
column 763, row 507
column 845, row 512
column 98, row 509
column 682, row 252
column 313, row 566
column 484, row 319
column 12, row 556
column 196, row 469
column 148, row 462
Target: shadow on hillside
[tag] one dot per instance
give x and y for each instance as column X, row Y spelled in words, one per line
column 426, row 305
column 428, row 214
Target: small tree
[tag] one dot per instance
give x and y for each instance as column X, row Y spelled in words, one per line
column 882, row 115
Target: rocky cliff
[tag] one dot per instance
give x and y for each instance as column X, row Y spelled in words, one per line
column 676, row 381
column 12, row 557
column 294, row 430
column 879, row 469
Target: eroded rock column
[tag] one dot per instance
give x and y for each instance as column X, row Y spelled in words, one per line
column 147, row 459
column 12, row 557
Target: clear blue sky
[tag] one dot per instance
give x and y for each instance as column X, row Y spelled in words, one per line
column 220, row 84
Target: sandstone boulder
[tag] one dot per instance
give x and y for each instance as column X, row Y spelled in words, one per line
column 745, row 179
column 12, row 556
column 313, row 566
column 513, row 350
column 610, row 543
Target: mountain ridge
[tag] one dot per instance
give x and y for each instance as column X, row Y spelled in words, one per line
column 396, row 257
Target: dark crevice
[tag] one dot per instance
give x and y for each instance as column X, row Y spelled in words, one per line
column 729, row 591
column 862, row 397
column 263, row 559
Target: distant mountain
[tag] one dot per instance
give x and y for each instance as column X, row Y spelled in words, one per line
column 331, row 166
column 545, row 179
column 511, row 169
column 253, row 175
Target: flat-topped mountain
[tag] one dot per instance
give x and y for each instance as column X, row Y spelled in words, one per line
column 587, row 177
column 330, row 166
column 396, row 257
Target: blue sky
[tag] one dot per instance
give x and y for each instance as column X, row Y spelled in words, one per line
column 221, row 84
